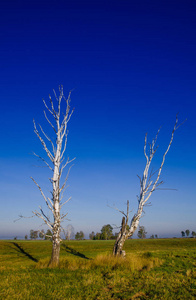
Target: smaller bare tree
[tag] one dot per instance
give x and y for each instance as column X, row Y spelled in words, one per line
column 148, row 184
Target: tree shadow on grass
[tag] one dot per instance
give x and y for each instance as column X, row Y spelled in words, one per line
column 19, row 249
column 74, row 252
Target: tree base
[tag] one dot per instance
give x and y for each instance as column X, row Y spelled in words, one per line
column 54, row 261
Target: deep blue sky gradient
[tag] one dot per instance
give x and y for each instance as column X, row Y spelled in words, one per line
column 131, row 65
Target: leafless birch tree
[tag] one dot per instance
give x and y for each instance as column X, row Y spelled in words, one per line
column 69, row 232
column 55, row 162
column 149, row 182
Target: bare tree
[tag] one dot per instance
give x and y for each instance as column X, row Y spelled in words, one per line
column 56, row 165
column 69, row 232
column 149, row 182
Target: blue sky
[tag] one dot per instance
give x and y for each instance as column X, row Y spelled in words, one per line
column 132, row 67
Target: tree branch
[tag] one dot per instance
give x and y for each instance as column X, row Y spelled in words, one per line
column 49, row 110
column 49, row 122
column 37, row 214
column 47, row 139
column 43, row 195
column 65, row 202
column 43, row 143
column 47, row 164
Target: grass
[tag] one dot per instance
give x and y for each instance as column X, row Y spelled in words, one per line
column 152, row 269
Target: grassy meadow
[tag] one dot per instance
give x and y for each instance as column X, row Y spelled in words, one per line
column 153, row 269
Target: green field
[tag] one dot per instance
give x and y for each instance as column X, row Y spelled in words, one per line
column 152, row 269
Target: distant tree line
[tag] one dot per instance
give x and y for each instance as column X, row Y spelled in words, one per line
column 79, row 235
column 187, row 233
column 105, row 234
column 154, row 236
column 35, row 234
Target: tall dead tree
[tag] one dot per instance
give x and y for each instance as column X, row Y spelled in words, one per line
column 149, row 182
column 55, row 153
